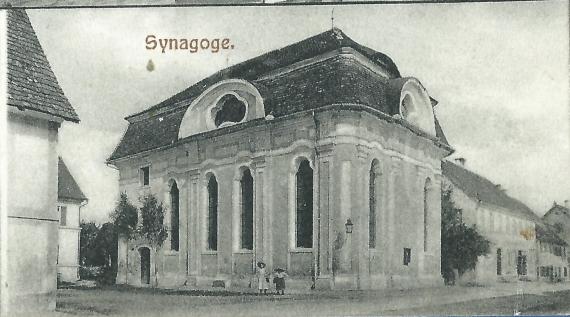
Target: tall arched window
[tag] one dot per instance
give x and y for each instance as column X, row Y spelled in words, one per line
column 304, row 214
column 212, row 214
column 246, row 210
column 372, row 196
column 174, row 216
column 427, row 188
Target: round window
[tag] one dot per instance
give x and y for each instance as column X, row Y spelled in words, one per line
column 229, row 110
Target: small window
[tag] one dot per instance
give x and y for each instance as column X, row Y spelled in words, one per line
column 63, row 215
column 407, row 256
column 499, row 262
column 144, row 175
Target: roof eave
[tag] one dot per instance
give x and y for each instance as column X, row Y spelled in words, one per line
column 112, row 161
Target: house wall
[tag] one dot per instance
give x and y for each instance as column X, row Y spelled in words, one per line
column 68, row 247
column 548, row 259
column 347, row 143
column 505, row 231
column 32, row 217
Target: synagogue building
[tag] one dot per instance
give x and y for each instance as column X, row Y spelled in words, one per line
column 318, row 158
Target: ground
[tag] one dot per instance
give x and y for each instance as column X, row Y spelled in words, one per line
column 505, row 299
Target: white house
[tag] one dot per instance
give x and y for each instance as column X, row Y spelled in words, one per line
column 505, row 221
column 34, row 107
column 70, row 199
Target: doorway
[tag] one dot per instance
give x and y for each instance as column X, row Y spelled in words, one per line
column 145, row 265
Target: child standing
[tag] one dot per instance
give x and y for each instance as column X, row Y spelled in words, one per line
column 262, row 279
column 279, row 280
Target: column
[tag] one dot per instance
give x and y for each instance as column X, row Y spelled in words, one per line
column 361, row 214
column 260, row 214
column 324, row 219
column 194, row 224
column 393, row 256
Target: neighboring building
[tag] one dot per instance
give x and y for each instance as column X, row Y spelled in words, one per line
column 506, row 222
column 70, row 199
column 35, row 107
column 552, row 262
column 318, row 158
column 559, row 217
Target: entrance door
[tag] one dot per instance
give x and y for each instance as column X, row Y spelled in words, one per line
column 145, row 265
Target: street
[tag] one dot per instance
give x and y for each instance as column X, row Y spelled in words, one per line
column 497, row 300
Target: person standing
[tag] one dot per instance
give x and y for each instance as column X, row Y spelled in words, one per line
column 262, row 278
column 279, row 280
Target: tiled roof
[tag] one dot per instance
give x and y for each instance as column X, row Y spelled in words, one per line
column 558, row 209
column 334, row 81
column 547, row 233
column 481, row 189
column 32, row 84
column 67, row 187
column 262, row 64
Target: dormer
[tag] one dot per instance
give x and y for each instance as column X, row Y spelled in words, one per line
column 226, row 103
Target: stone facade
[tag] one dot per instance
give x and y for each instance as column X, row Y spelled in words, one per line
column 330, row 134
column 341, row 155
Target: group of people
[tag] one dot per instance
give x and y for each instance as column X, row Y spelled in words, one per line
column 263, row 278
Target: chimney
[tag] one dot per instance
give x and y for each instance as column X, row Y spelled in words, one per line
column 460, row 161
column 567, row 204
column 499, row 187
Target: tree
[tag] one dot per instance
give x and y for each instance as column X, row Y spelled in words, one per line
column 461, row 245
column 125, row 217
column 152, row 227
column 87, row 252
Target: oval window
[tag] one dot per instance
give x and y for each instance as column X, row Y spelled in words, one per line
column 230, row 110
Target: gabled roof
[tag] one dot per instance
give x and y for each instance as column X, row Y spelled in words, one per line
column 32, row 84
column 335, row 81
column 481, row 189
column 557, row 209
column 67, row 187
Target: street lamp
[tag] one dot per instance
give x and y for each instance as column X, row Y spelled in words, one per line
column 348, row 225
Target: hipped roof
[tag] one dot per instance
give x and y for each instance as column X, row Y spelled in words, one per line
column 335, row 81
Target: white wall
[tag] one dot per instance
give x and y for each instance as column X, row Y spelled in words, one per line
column 68, row 251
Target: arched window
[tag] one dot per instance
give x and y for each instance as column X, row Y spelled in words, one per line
column 427, row 188
column 246, row 210
column 372, row 196
column 174, row 216
column 304, row 214
column 212, row 214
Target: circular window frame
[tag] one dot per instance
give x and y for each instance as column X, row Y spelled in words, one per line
column 419, row 112
column 216, row 107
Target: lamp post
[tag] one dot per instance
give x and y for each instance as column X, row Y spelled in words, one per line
column 348, row 225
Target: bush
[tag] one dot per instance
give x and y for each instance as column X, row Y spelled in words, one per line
column 107, row 276
column 89, row 272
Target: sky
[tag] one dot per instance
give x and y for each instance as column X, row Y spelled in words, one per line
column 498, row 70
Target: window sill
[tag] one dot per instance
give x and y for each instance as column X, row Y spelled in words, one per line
column 209, row 252
column 244, row 251
column 301, row 250
column 171, row 252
